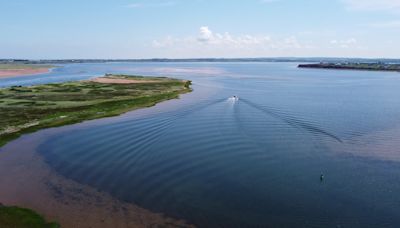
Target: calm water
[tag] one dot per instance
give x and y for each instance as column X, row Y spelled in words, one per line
column 255, row 162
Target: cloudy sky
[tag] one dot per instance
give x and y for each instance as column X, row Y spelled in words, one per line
column 199, row 28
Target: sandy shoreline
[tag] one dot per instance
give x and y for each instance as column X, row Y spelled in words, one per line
column 10, row 73
column 27, row 181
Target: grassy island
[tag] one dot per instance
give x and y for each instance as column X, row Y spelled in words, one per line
column 15, row 217
column 354, row 66
column 28, row 109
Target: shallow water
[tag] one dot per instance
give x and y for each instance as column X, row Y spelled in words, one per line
column 251, row 162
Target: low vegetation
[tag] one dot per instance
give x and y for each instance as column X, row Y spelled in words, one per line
column 15, row 217
column 28, row 109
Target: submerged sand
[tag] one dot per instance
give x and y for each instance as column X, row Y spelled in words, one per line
column 8, row 73
column 27, row 181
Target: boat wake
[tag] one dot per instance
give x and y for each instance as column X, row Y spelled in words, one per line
column 293, row 121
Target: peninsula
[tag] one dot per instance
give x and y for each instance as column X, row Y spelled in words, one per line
column 28, row 109
column 354, row 66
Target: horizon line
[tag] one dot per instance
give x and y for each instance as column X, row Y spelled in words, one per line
column 198, row 59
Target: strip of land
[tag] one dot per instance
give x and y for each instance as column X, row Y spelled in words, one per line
column 15, row 70
column 354, row 66
column 28, row 109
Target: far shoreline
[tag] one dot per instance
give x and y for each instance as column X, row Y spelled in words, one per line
column 376, row 67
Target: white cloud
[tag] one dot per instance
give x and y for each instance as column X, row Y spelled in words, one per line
column 167, row 42
column 351, row 42
column 208, row 38
column 291, row 42
column 205, row 34
column 209, row 43
column 373, row 5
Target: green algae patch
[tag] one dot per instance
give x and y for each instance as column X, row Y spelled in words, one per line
column 16, row 217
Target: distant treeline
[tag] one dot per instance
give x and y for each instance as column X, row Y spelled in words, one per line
column 379, row 66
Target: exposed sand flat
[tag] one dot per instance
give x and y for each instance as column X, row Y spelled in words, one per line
column 27, row 181
column 121, row 81
column 207, row 71
column 7, row 73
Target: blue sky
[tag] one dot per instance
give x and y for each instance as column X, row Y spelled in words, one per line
column 199, row 28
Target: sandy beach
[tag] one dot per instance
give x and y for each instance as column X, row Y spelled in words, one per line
column 27, row 181
column 8, row 73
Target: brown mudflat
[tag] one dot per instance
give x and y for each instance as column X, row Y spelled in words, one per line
column 27, row 181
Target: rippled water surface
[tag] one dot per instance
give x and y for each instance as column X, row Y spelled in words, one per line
column 253, row 162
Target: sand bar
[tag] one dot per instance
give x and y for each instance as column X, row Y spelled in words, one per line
column 8, row 73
